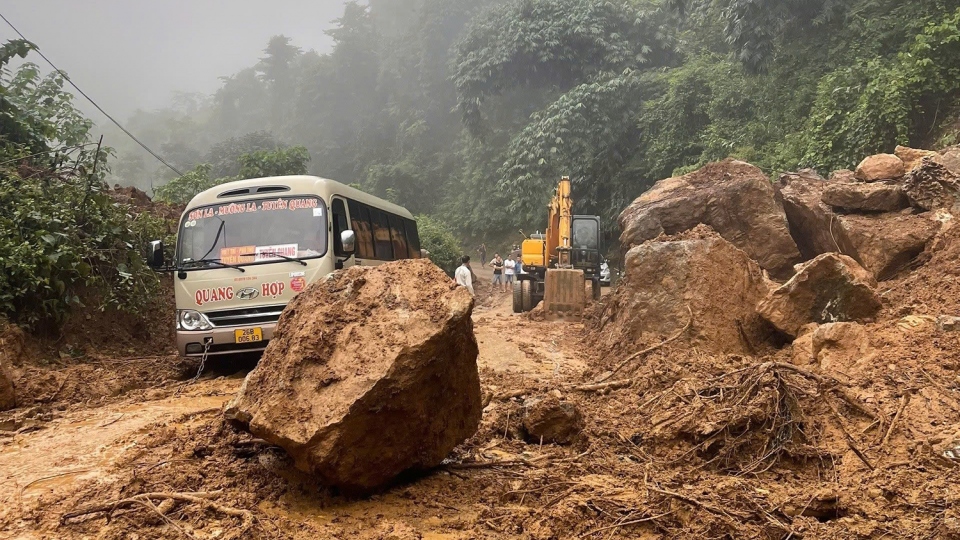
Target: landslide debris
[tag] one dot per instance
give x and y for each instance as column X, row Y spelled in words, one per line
column 867, row 222
column 830, row 288
column 372, row 372
column 734, row 198
column 696, row 273
column 880, row 167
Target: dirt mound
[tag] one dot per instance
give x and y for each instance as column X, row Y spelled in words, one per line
column 830, row 288
column 140, row 202
column 933, row 288
column 734, row 198
column 675, row 284
column 372, row 372
column 8, row 398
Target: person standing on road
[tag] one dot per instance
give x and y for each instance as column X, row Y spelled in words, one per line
column 464, row 274
column 482, row 250
column 497, row 264
column 509, row 269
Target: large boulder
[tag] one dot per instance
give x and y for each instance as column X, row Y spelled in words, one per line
column 912, row 157
column 830, row 288
column 696, row 274
column 873, row 197
column 931, row 186
column 812, row 222
column 886, row 244
column 880, row 167
column 734, row 198
column 371, row 372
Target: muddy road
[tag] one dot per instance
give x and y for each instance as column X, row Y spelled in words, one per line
column 62, row 455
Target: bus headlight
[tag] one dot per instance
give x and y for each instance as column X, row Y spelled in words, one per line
column 188, row 319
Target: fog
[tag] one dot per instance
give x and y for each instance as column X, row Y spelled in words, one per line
column 130, row 54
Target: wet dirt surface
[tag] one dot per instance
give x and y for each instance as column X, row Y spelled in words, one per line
column 84, row 446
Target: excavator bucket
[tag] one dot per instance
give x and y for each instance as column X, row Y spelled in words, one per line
column 564, row 291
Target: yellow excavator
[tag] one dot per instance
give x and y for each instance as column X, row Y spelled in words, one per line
column 557, row 263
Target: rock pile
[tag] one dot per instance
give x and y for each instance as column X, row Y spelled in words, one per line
column 854, row 229
column 882, row 219
column 372, row 372
column 732, row 197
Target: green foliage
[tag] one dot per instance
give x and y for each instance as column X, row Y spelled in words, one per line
column 438, row 239
column 258, row 164
column 179, row 191
column 63, row 236
column 549, row 42
column 279, row 162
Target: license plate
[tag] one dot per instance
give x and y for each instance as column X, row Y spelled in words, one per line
column 249, row 335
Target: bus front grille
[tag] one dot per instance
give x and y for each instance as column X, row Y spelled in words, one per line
column 245, row 316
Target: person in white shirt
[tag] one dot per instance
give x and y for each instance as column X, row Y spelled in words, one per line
column 509, row 269
column 464, row 274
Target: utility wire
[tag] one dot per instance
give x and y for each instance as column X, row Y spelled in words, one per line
column 99, row 108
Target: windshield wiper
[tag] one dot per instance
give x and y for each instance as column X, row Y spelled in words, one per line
column 215, row 261
column 279, row 256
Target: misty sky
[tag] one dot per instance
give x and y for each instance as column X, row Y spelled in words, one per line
column 129, row 54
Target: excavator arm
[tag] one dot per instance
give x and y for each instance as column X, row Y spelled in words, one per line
column 560, row 222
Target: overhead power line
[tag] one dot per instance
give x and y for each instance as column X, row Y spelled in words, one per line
column 94, row 103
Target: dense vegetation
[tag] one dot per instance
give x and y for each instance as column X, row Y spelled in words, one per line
column 65, row 240
column 470, row 110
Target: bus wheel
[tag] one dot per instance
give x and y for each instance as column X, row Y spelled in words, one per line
column 518, row 296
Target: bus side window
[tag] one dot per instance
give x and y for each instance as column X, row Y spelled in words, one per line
column 381, row 235
column 360, row 219
column 399, row 237
column 339, row 225
column 413, row 238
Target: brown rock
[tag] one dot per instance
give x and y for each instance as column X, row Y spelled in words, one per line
column 842, row 348
column 843, row 176
column 11, row 353
column 911, row 157
column 802, row 353
column 699, row 270
column 372, row 372
column 881, row 243
column 551, row 420
column 8, row 398
column 830, row 288
column 812, row 223
column 874, row 197
column 734, row 198
column 886, row 244
column 950, row 158
column 931, row 186
column 880, row 167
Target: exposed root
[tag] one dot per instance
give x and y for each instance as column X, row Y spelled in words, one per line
column 146, row 500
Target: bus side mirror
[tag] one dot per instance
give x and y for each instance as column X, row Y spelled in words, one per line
column 348, row 239
column 155, row 258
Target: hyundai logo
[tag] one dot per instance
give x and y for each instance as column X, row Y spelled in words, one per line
column 248, row 293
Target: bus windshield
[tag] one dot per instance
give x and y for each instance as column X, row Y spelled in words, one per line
column 254, row 231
